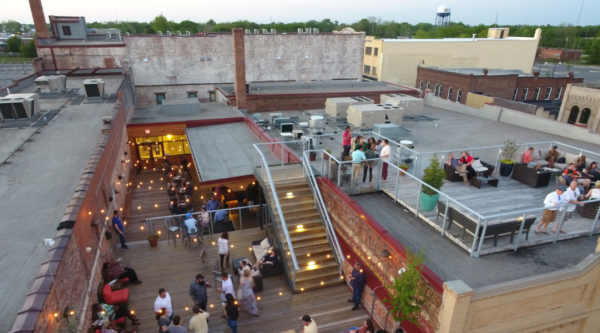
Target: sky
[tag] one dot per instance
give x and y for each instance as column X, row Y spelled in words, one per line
column 472, row 12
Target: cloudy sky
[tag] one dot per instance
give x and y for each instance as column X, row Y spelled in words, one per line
column 535, row 12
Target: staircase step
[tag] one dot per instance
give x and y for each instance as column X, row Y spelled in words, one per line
column 302, row 286
column 289, row 187
column 318, row 259
column 300, row 216
column 290, row 182
column 306, row 230
column 298, row 246
column 282, row 194
column 307, row 223
column 297, row 201
column 297, row 210
column 297, row 240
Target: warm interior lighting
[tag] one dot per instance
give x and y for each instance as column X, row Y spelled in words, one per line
column 250, row 249
column 194, row 240
column 348, row 257
column 241, row 187
column 169, row 136
column 72, row 313
column 232, row 246
column 369, row 258
column 124, row 222
column 102, row 211
column 312, row 263
column 253, row 183
column 151, row 181
column 55, row 314
column 228, row 191
column 301, row 289
column 258, row 298
column 308, row 255
column 327, row 256
column 161, row 188
column 186, row 308
column 90, row 213
column 211, row 305
column 300, row 226
column 195, row 187
column 378, row 264
column 177, row 236
column 132, row 312
column 213, row 243
column 288, row 253
column 342, row 277
column 289, row 194
column 201, row 197
column 141, row 183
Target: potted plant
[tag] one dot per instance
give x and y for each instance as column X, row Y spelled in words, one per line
column 507, row 162
column 409, row 292
column 153, row 240
column 433, row 176
column 403, row 167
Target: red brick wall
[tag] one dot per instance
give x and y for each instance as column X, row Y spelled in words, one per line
column 454, row 80
column 502, row 86
column 543, row 83
column 362, row 237
column 75, row 267
column 39, row 20
column 239, row 59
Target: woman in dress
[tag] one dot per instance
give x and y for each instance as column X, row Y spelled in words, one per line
column 248, row 298
column 594, row 193
column 223, row 244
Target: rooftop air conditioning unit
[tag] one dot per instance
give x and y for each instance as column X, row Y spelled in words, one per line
column 187, row 33
column 265, row 31
column 272, row 116
column 308, row 31
column 127, row 34
column 108, row 35
column 118, row 35
column 160, row 33
column 19, row 106
column 316, row 31
column 256, row 31
column 93, row 88
column 247, row 31
column 179, row 33
column 300, row 31
column 168, row 33
column 273, row 31
column 51, row 84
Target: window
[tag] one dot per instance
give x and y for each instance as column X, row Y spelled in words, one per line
column 368, row 50
column 421, row 85
column 66, row 30
column 192, row 95
column 367, row 69
column 548, row 92
column 428, row 85
column 558, row 93
column 573, row 115
column 516, row 94
column 160, row 98
column 435, row 90
column 440, row 91
column 537, row 93
column 458, row 95
column 374, row 72
column 449, row 97
column 525, row 92
column 375, row 52
column 585, row 116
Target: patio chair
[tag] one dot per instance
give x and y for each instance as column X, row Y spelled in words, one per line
column 193, row 238
column 205, row 262
column 172, row 228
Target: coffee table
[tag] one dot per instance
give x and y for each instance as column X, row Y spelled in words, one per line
column 476, row 182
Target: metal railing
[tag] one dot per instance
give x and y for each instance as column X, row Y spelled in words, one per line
column 150, row 227
column 320, row 205
column 267, row 178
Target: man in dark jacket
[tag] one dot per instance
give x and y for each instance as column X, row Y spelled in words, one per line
column 198, row 291
column 357, row 282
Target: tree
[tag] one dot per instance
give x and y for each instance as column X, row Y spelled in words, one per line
column 11, row 25
column 422, row 34
column 409, row 290
column 160, row 23
column 594, row 54
column 14, row 44
column 28, row 50
column 149, row 31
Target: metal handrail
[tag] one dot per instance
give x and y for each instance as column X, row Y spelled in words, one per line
column 276, row 199
column 330, row 229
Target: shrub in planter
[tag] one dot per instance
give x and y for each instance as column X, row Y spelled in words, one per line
column 433, row 176
column 507, row 163
column 403, row 167
column 153, row 240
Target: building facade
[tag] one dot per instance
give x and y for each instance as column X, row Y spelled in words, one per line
column 454, row 84
column 396, row 60
column 581, row 106
column 558, row 54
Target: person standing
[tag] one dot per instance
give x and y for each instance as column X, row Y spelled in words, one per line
column 223, row 244
column 346, row 142
column 163, row 320
column 231, row 312
column 385, row 159
column 378, row 147
column 164, row 301
column 167, row 167
column 248, row 297
column 310, row 326
column 370, row 155
column 226, row 287
column 357, row 282
column 175, row 326
column 552, row 200
column 199, row 291
column 357, row 157
column 183, row 161
column 571, row 196
column 118, row 226
column 199, row 322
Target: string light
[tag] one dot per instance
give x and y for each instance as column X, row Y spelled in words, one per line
column 232, row 246
column 280, row 293
column 132, row 312
column 258, row 298
column 142, row 227
column 102, row 211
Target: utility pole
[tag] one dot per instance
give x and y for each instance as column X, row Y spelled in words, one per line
column 577, row 24
column 496, row 23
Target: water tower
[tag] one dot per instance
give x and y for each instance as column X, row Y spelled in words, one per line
column 442, row 18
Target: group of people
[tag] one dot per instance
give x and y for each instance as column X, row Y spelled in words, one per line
column 179, row 186
column 463, row 166
column 363, row 155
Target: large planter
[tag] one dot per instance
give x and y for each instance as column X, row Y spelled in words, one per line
column 428, row 202
column 312, row 156
column 506, row 169
column 153, row 241
column 403, row 170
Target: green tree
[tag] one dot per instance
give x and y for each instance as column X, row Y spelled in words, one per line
column 422, row 34
column 14, row 44
column 28, row 50
column 160, row 23
column 594, row 53
column 11, row 25
column 149, row 31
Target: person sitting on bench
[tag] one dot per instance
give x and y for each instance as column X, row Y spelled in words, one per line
column 220, row 215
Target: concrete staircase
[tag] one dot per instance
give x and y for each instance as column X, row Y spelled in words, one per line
column 316, row 259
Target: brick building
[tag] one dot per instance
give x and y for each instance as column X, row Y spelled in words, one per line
column 455, row 83
column 545, row 53
column 581, row 106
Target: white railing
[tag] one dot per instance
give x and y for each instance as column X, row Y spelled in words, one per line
column 322, row 208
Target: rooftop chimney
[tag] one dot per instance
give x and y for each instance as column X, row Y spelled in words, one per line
column 239, row 66
column 536, row 74
column 485, row 72
column 571, row 75
column 39, row 20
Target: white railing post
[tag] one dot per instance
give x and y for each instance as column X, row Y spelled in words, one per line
column 339, row 180
column 560, row 224
column 418, row 199
column 595, row 221
column 482, row 237
column 475, row 238
column 517, row 241
column 379, row 174
column 281, row 153
column 445, row 216
column 397, row 184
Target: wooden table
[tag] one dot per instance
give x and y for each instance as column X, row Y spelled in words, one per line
column 476, row 182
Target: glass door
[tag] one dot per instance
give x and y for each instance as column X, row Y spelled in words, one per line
column 157, row 152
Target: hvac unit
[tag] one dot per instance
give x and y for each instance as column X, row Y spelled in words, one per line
column 169, row 33
column 390, row 131
column 51, row 84
column 307, row 31
column 272, row 116
column 338, row 107
column 247, row 31
column 366, row 116
column 265, row 31
column 179, row 33
column 273, row 31
column 411, row 105
column 256, row 31
column 315, row 31
column 300, row 31
column 19, row 106
column 93, row 88
column 278, row 121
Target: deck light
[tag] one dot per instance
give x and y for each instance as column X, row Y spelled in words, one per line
column 258, row 298
column 369, row 258
column 161, row 188
column 72, row 313
column 132, row 312
column 149, row 187
column 186, row 308
column 308, row 255
column 280, row 293
column 301, row 289
column 250, row 249
column 139, row 207
column 102, row 211
column 232, row 246
column 159, row 232
column 151, row 181
column 90, row 213
column 322, row 283
column 348, row 257
column 142, row 228
column 211, row 305
column 213, row 243
column 327, row 256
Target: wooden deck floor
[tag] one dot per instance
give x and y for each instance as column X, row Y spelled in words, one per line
column 150, row 200
column 509, row 197
column 174, row 268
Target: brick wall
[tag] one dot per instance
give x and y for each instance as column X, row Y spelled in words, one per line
column 447, row 80
column 77, row 273
column 39, row 20
column 239, row 60
column 497, row 86
column 544, row 82
column 362, row 238
column 515, row 105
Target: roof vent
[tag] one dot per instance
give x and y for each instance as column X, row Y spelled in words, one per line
column 315, row 31
column 169, row 33
column 179, row 33
column 160, row 33
column 265, row 31
column 187, row 33
column 127, row 34
column 273, row 31
column 308, row 30
column 118, row 35
column 247, row 32
column 256, row 31
column 108, row 36
column 300, row 31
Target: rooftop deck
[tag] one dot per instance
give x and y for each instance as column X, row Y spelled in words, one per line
column 174, row 268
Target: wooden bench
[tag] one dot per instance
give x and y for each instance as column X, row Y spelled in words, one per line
column 494, row 229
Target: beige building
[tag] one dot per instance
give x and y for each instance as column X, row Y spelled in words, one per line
column 581, row 106
column 396, row 60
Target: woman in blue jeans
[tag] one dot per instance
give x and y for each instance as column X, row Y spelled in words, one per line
column 231, row 312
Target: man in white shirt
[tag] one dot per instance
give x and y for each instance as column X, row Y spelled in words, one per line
column 309, row 325
column 164, row 301
column 385, row 157
column 571, row 196
column 226, row 287
column 553, row 199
